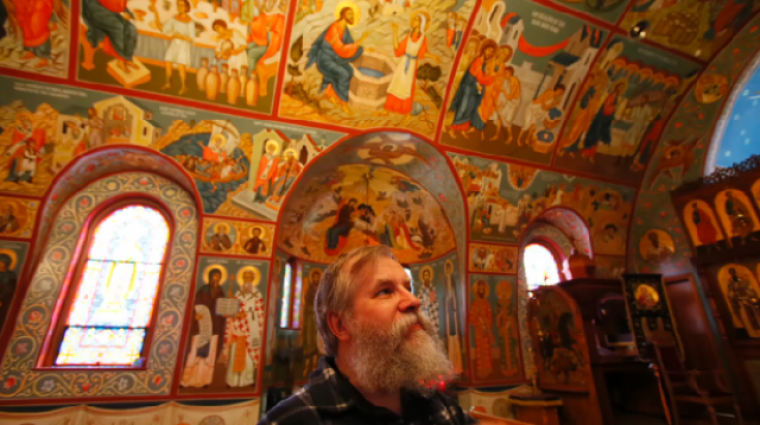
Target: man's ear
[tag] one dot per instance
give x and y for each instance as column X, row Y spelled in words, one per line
column 338, row 326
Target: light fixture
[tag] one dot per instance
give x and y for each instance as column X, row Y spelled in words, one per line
column 639, row 30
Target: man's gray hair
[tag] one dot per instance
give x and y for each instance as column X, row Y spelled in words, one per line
column 337, row 287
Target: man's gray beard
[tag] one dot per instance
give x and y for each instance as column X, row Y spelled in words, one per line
column 386, row 361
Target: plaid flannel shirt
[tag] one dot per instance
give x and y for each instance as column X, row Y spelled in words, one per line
column 329, row 398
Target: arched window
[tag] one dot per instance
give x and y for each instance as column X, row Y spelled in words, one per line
column 107, row 320
column 540, row 266
column 290, row 300
column 740, row 138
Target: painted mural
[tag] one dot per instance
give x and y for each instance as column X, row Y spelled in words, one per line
column 500, row 213
column 435, row 284
column 737, row 216
column 681, row 155
column 371, row 64
column 739, row 286
column 224, row 236
column 226, row 335
column 227, row 53
column 698, row 28
column 656, row 245
column 356, row 205
column 560, row 351
column 34, row 36
column 17, row 216
column 492, row 258
column 12, row 261
column 493, row 329
column 309, row 339
column 521, row 68
column 45, row 289
column 608, row 10
column 622, row 109
column 45, row 127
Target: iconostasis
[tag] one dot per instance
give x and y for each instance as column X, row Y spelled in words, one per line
column 279, row 134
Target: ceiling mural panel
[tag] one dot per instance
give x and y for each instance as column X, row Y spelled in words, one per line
column 222, row 153
column 373, row 63
column 37, row 36
column 698, row 28
column 500, row 213
column 522, row 66
column 621, row 110
column 357, row 205
column 608, row 10
column 225, row 53
column 683, row 151
column 411, row 156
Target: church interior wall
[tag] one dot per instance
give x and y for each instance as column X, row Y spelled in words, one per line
column 254, row 156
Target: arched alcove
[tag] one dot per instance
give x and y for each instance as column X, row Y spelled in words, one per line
column 564, row 232
column 92, row 183
column 380, row 188
column 100, row 162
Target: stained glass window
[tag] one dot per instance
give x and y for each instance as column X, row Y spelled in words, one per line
column 296, row 314
column 540, row 266
column 113, row 306
column 285, row 301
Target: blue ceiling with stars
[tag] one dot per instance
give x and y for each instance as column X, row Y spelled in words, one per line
column 742, row 136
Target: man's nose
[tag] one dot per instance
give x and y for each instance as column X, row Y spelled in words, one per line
column 409, row 302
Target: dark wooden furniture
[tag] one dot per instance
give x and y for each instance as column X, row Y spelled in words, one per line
column 622, row 380
column 732, row 346
column 688, row 387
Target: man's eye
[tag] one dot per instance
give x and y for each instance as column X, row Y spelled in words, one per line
column 385, row 291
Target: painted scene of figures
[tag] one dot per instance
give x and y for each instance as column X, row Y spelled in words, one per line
column 226, row 53
column 500, row 213
column 520, row 70
column 355, row 205
column 373, row 63
column 226, row 336
column 622, row 110
column 493, row 329
column 34, row 36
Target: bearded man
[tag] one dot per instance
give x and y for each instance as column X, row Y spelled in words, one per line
column 384, row 361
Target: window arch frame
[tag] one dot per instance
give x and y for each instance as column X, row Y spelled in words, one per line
column 75, row 273
column 554, row 250
column 296, row 280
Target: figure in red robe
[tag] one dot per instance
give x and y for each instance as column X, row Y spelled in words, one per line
column 109, row 22
column 706, row 232
column 33, row 17
column 267, row 170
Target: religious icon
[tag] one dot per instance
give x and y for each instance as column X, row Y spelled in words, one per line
column 309, row 333
column 206, row 330
column 736, row 214
column 429, row 297
column 451, row 316
column 646, row 297
column 656, row 246
column 255, row 244
column 710, row 88
column 506, row 322
column 8, row 281
column 480, row 317
column 742, row 293
column 244, row 331
column 701, row 223
column 220, row 237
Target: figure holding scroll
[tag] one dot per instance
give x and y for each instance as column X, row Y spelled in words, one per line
column 199, row 367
